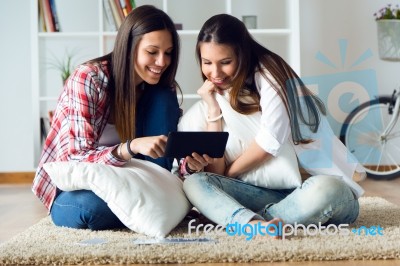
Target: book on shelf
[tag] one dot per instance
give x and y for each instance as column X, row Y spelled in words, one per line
column 116, row 15
column 119, row 9
column 123, row 8
column 115, row 11
column 126, row 7
column 42, row 24
column 47, row 16
column 45, row 124
column 54, row 15
column 43, row 130
column 51, row 114
column 109, row 15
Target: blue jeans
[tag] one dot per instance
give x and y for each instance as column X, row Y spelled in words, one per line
column 83, row 209
column 223, row 200
column 157, row 114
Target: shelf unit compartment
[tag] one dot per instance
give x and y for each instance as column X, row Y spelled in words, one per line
column 46, row 107
column 188, row 102
column 52, row 50
column 189, row 74
column 44, row 121
column 193, row 13
column 277, row 44
column 77, row 15
column 157, row 3
column 268, row 12
column 108, row 43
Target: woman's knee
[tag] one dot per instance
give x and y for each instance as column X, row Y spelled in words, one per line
column 194, row 182
column 327, row 188
column 83, row 209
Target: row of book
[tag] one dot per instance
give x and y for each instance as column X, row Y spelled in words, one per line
column 48, row 20
column 114, row 11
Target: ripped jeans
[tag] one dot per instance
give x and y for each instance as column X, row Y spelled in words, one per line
column 321, row 198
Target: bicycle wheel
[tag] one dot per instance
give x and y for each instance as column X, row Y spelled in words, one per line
column 361, row 133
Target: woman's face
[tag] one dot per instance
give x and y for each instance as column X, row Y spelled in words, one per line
column 153, row 56
column 218, row 63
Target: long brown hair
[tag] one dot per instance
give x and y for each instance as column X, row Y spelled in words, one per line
column 228, row 30
column 121, row 86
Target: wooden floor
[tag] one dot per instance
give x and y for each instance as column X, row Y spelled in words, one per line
column 19, row 209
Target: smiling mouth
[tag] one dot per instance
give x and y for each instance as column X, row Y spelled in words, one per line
column 218, row 81
column 155, row 70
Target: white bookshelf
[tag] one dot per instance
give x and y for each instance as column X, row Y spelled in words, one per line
column 85, row 31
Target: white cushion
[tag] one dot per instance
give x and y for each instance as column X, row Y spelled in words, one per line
column 144, row 196
column 280, row 172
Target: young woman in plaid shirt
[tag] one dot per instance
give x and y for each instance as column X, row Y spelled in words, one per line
column 111, row 109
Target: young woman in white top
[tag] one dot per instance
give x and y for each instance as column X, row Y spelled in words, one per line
column 255, row 81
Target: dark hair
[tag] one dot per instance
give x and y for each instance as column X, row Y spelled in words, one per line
column 251, row 56
column 141, row 20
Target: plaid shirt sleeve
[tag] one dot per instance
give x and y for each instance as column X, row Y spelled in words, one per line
column 81, row 114
column 87, row 114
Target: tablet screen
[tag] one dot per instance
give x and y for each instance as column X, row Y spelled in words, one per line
column 183, row 143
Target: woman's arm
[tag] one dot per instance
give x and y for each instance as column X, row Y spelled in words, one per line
column 197, row 162
column 274, row 130
column 85, row 114
column 217, row 165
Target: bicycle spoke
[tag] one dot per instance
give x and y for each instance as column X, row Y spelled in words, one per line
column 380, row 157
column 384, row 124
column 367, row 157
column 367, row 136
column 393, row 135
column 394, row 162
column 371, row 126
column 375, row 128
column 387, row 166
column 396, row 147
column 394, row 144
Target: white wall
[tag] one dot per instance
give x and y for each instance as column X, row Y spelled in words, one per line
column 16, row 140
column 323, row 24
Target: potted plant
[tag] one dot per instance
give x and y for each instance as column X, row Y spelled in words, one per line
column 64, row 65
column 388, row 24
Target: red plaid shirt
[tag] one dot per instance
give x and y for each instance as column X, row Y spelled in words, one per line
column 78, row 122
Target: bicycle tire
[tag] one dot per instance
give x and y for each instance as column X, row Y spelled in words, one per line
column 361, row 135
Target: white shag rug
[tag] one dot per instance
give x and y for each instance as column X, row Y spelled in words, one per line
column 44, row 243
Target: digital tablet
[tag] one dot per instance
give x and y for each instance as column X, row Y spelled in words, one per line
column 183, row 143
